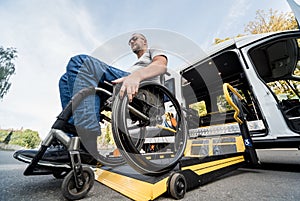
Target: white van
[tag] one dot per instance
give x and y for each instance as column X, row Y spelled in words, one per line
column 264, row 69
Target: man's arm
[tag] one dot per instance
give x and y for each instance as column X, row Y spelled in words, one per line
column 131, row 82
column 157, row 67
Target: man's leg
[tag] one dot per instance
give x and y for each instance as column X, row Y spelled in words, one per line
column 90, row 72
column 66, row 81
column 82, row 71
column 64, row 91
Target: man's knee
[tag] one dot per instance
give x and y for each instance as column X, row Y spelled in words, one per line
column 63, row 80
column 76, row 62
column 79, row 57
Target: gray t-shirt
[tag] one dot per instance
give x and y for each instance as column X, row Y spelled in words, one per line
column 146, row 59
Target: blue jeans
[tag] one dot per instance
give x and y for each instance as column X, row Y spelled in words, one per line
column 84, row 71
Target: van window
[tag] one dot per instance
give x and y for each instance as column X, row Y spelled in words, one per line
column 277, row 64
column 276, row 60
column 285, row 89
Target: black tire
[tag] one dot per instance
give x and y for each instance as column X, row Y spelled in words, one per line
column 130, row 146
column 177, row 186
column 68, row 186
column 117, row 161
column 105, row 157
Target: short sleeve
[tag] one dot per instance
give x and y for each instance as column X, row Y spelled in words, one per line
column 156, row 51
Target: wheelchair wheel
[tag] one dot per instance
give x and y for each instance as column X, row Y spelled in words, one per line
column 69, row 189
column 109, row 153
column 94, row 149
column 150, row 132
column 104, row 150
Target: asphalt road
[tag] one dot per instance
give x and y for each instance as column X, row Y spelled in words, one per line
column 277, row 180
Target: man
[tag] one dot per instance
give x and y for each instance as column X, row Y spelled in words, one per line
column 84, row 71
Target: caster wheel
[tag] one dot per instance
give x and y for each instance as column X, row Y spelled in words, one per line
column 68, row 186
column 177, row 186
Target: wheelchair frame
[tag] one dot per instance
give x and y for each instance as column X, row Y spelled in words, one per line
column 75, row 171
column 76, row 175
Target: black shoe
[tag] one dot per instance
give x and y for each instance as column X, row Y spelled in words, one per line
column 58, row 154
column 25, row 155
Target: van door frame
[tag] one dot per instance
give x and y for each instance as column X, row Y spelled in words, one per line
column 277, row 125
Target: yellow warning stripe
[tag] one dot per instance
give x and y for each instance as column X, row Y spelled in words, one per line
column 132, row 188
column 214, row 165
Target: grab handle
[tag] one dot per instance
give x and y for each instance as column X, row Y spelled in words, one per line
column 227, row 86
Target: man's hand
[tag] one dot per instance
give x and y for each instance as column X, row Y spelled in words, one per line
column 130, row 85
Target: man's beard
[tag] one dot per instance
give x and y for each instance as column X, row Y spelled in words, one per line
column 136, row 49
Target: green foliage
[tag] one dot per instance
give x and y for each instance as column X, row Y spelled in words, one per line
column 265, row 22
column 25, row 138
column 200, row 107
column 7, row 68
column 108, row 134
column 219, row 40
column 106, row 137
column 222, row 104
column 271, row 21
column 285, row 89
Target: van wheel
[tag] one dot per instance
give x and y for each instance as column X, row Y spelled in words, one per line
column 177, row 186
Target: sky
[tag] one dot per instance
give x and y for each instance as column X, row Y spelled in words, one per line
column 47, row 33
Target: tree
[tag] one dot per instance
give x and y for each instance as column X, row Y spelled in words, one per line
column 25, row 138
column 219, row 40
column 271, row 21
column 7, row 68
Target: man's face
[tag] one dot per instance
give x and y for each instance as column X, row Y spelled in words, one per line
column 137, row 43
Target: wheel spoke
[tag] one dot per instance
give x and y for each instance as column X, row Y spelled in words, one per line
column 151, row 145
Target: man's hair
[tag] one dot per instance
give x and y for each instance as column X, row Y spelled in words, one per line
column 144, row 37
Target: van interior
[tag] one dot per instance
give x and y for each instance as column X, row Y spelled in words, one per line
column 276, row 64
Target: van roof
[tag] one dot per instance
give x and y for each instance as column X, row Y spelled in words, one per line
column 234, row 43
column 242, row 41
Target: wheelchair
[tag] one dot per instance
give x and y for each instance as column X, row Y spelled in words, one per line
column 135, row 126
